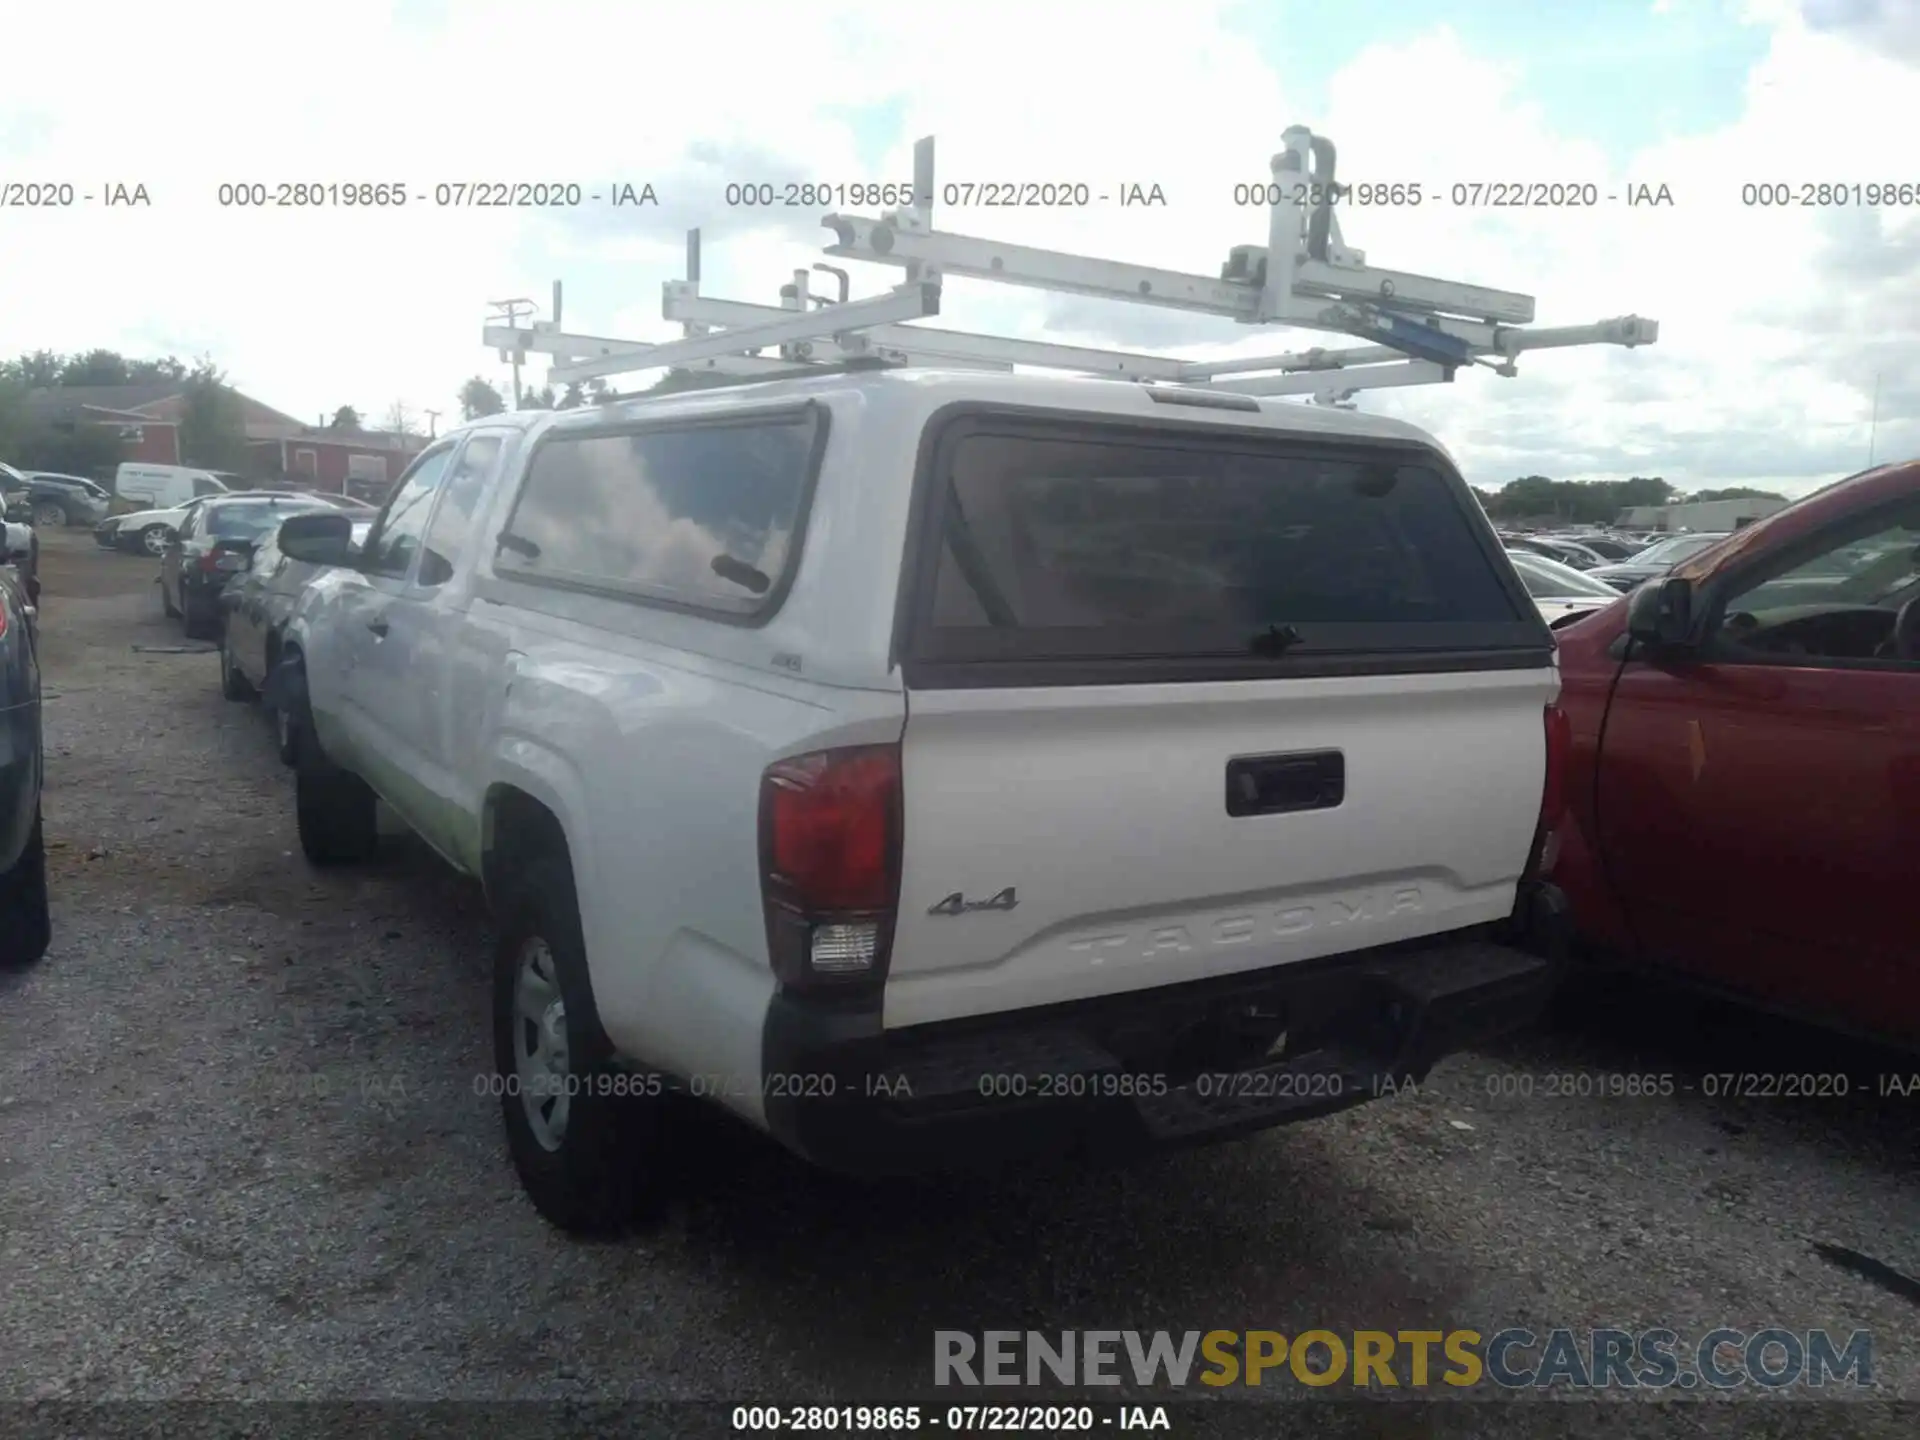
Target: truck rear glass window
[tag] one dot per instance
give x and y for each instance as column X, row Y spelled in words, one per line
column 1092, row 542
column 700, row 516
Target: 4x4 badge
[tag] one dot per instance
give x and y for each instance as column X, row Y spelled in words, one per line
column 958, row 904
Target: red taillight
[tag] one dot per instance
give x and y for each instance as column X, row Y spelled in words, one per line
column 830, row 863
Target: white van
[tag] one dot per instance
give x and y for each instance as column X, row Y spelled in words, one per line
column 161, row 487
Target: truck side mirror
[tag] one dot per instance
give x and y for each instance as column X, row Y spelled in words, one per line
column 322, row 539
column 1660, row 614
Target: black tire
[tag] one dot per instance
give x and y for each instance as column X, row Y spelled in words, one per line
column 26, row 926
column 200, row 619
column 285, row 737
column 233, row 685
column 284, row 696
column 603, row 1173
column 335, row 809
column 50, row 515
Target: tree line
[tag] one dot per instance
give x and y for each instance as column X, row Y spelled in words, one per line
column 212, row 429
column 479, row 396
column 1595, row 502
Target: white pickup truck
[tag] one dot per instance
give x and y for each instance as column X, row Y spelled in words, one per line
column 932, row 767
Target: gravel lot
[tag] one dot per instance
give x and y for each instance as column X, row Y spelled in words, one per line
column 242, row 1154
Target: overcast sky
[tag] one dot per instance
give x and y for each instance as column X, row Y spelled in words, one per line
column 1774, row 322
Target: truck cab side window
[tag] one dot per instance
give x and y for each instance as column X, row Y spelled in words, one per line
column 446, row 536
column 395, row 537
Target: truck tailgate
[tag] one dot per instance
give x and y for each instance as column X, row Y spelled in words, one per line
column 1063, row 843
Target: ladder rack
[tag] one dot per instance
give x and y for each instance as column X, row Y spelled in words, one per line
column 1306, row 277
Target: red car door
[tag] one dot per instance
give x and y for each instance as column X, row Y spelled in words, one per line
column 1759, row 801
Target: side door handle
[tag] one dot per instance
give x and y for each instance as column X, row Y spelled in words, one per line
column 378, row 625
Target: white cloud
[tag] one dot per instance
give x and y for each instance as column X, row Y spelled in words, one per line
column 1770, row 337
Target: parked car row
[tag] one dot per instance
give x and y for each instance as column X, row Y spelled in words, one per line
column 644, row 672
column 1656, row 559
column 1562, row 593
column 150, row 532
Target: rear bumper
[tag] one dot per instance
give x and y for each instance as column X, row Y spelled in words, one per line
column 1155, row 1068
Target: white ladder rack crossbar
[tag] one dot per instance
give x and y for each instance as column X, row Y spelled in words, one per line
column 1305, row 277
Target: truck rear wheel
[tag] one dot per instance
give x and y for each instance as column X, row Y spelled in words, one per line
column 25, row 926
column 585, row 1136
column 336, row 810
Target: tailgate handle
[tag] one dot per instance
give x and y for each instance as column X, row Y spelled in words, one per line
column 1283, row 784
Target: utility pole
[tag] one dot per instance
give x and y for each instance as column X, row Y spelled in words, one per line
column 1873, row 425
column 432, row 427
column 513, row 310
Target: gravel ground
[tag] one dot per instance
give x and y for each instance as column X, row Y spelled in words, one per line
column 242, row 1154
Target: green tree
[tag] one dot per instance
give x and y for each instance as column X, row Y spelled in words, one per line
column 13, row 424
column 541, row 399
column 1736, row 492
column 96, row 367
column 149, row 372
column 674, row 381
column 212, row 429
column 1537, row 497
column 593, row 392
column 70, row 447
column 478, row 397
column 345, row 418
column 1645, row 490
column 44, row 369
column 36, row 371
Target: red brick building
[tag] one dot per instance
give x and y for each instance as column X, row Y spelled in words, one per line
column 280, row 449
column 357, row 462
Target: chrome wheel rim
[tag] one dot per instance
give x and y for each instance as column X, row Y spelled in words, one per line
column 540, row 1044
column 154, row 542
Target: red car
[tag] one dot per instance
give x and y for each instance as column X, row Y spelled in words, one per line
column 1743, row 769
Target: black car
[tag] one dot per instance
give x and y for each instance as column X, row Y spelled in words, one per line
column 257, row 603
column 25, row 929
column 47, row 500
column 215, row 542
